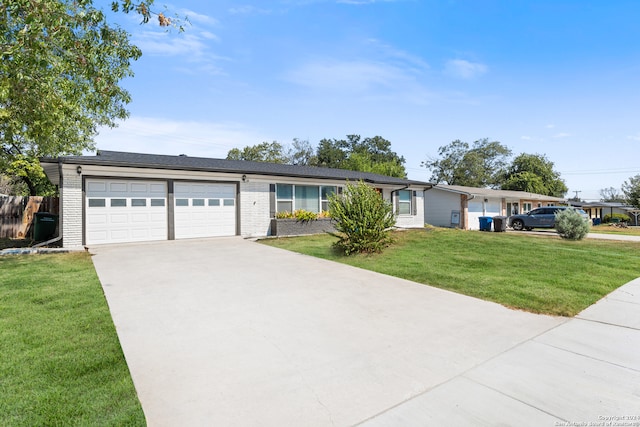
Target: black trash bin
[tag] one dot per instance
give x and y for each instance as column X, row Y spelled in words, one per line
column 499, row 223
column 485, row 223
column 44, row 226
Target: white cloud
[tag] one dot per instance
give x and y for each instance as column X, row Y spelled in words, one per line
column 195, row 17
column 161, row 136
column 166, row 44
column 194, row 43
column 399, row 57
column 635, row 137
column 562, row 135
column 344, row 75
column 550, row 126
column 463, row 69
column 526, row 138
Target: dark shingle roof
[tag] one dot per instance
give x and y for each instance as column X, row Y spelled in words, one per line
column 157, row 161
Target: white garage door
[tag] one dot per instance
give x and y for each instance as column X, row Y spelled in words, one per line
column 204, row 209
column 479, row 208
column 119, row 211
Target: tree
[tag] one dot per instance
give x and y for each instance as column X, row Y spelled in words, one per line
column 332, row 153
column 362, row 219
column 479, row 165
column 533, row 173
column 272, row 152
column 364, row 155
column 611, row 195
column 631, row 190
column 59, row 79
column 300, row 153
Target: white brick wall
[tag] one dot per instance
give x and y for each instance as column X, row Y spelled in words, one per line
column 71, row 202
column 254, row 208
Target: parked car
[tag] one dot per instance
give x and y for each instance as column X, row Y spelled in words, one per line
column 544, row 217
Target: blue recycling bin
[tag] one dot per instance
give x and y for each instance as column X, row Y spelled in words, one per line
column 597, row 221
column 485, row 223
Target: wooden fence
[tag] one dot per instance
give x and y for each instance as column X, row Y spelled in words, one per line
column 17, row 214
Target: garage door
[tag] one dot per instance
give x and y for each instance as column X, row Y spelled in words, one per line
column 204, row 209
column 479, row 208
column 118, row 211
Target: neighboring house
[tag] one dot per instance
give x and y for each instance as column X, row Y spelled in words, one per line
column 461, row 207
column 116, row 197
column 600, row 209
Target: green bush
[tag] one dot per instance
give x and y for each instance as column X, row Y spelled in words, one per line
column 571, row 225
column 302, row 215
column 362, row 219
column 616, row 217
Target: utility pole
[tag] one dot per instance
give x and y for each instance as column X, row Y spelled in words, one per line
column 576, row 196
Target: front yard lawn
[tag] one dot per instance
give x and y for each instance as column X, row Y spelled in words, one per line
column 60, row 358
column 537, row 274
column 610, row 229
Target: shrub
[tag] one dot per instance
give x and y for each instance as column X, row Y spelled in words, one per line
column 302, row 215
column 362, row 219
column 616, row 216
column 571, row 225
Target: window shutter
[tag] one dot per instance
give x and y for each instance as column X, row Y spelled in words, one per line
column 339, row 190
column 414, row 208
column 395, row 195
column 272, row 200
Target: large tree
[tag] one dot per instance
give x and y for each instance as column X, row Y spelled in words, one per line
column 631, row 190
column 372, row 154
column 62, row 64
column 272, row 152
column 611, row 194
column 534, row 173
column 478, row 165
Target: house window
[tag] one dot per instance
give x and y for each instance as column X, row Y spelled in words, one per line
column 325, row 192
column 307, row 198
column 311, row 198
column 526, row 207
column 404, row 202
column 284, row 195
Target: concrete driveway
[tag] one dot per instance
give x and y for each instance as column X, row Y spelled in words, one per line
column 229, row 332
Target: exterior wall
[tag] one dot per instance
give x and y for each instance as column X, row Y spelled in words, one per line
column 413, row 221
column 71, row 207
column 254, row 209
column 438, row 206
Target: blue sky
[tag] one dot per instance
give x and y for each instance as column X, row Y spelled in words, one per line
column 553, row 77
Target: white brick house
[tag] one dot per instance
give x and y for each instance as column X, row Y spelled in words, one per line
column 116, row 197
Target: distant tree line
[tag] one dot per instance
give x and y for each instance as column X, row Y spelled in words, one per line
column 353, row 153
column 487, row 164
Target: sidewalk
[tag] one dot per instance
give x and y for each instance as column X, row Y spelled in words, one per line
column 583, row 372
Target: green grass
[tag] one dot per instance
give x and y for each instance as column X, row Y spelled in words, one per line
column 60, row 359
column 537, row 274
column 610, row 229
